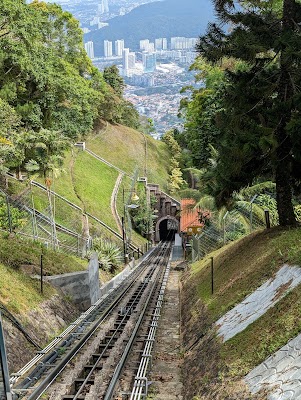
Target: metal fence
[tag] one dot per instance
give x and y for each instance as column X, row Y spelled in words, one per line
column 225, row 228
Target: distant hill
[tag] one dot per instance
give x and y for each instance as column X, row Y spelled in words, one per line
column 168, row 18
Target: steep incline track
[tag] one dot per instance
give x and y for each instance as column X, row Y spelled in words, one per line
column 88, row 361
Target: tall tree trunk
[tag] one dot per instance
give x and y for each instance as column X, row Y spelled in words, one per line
column 284, row 149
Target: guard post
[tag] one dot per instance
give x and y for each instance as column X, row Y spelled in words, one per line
column 5, row 392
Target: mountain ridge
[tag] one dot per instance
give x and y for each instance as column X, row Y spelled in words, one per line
column 169, row 18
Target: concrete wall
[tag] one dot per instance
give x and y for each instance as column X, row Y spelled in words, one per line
column 82, row 287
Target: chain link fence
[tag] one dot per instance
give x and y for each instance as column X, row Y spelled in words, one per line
column 40, row 214
column 227, row 227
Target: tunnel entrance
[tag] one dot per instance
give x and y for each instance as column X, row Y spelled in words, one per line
column 167, row 230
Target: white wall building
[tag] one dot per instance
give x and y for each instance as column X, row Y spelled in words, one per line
column 132, row 60
column 119, row 46
column 107, row 48
column 144, row 44
column 89, row 47
column 125, row 61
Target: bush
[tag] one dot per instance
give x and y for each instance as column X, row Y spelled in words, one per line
column 109, row 255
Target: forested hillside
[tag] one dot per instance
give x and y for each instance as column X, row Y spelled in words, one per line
column 50, row 93
column 242, row 128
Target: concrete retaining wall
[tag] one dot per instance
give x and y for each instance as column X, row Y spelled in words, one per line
column 82, row 287
column 114, row 282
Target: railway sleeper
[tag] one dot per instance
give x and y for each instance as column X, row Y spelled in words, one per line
column 102, row 346
column 71, row 397
column 79, row 381
column 96, row 356
column 89, row 367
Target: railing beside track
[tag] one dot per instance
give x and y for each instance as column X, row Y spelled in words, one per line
column 41, row 363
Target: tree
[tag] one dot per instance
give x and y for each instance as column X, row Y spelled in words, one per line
column 261, row 100
column 199, row 111
column 112, row 78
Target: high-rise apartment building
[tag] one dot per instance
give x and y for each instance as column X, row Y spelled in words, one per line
column 151, row 47
column 89, row 47
column 107, row 48
column 158, row 44
column 149, row 61
column 125, row 61
column 182, row 43
column 132, row 60
column 119, row 46
column 144, row 44
column 103, row 7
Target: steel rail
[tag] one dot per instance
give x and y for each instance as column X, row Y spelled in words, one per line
column 113, row 298
column 125, row 318
column 111, row 388
column 141, row 381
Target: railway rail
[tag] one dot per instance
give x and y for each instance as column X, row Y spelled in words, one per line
column 90, row 357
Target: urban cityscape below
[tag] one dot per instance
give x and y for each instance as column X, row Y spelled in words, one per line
column 154, row 75
column 154, row 71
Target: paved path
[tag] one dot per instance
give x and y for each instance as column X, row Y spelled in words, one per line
column 166, row 370
column 257, row 304
column 114, row 202
column 282, row 371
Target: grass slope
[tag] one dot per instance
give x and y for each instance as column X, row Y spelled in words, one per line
column 19, row 258
column 239, row 269
column 89, row 183
column 126, row 148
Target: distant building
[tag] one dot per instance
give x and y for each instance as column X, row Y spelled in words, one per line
column 151, row 47
column 179, row 43
column 144, row 44
column 89, row 47
column 149, row 61
column 125, row 61
column 132, row 60
column 102, row 24
column 159, row 44
column 95, row 21
column 119, row 46
column 103, row 7
column 107, row 48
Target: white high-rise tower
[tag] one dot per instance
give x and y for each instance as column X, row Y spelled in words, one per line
column 89, row 47
column 119, row 46
column 107, row 48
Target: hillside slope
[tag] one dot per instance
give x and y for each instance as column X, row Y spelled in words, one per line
column 239, row 269
column 89, row 183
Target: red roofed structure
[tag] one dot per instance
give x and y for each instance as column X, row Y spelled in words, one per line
column 189, row 215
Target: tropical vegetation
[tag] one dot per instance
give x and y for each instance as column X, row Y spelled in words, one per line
column 242, row 125
column 50, row 93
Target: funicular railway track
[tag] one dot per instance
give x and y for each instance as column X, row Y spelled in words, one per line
column 87, row 361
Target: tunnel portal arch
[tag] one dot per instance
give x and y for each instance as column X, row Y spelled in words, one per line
column 166, row 228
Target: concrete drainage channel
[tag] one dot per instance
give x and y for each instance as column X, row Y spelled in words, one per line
column 50, row 362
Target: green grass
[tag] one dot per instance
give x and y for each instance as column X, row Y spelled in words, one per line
column 94, row 184
column 19, row 293
column 89, row 183
column 125, row 148
column 18, row 253
column 239, row 269
column 21, row 258
column 242, row 266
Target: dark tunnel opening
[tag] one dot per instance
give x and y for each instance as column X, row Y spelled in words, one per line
column 167, row 234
